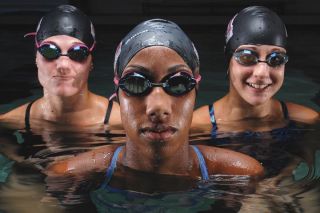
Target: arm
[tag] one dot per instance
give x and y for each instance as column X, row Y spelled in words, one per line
column 201, row 120
column 303, row 114
column 15, row 114
column 95, row 160
column 225, row 161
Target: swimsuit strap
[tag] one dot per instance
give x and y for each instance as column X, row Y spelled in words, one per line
column 112, row 166
column 211, row 112
column 284, row 110
column 213, row 120
column 108, row 113
column 27, row 116
column 202, row 163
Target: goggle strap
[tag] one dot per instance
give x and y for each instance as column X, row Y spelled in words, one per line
column 30, row 34
column 114, row 95
column 35, row 40
column 198, row 78
column 116, row 80
column 93, row 46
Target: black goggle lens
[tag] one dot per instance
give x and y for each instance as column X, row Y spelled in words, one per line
column 177, row 84
column 249, row 58
column 49, row 51
column 77, row 53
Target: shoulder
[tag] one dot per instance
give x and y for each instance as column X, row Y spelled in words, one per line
column 94, row 160
column 115, row 118
column 302, row 113
column 104, row 104
column 225, row 161
column 201, row 119
column 15, row 114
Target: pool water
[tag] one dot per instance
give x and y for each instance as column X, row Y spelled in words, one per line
column 291, row 160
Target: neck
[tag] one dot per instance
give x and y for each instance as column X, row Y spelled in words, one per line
column 243, row 110
column 158, row 159
column 60, row 108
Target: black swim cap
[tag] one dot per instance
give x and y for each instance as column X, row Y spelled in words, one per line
column 255, row 25
column 66, row 20
column 155, row 32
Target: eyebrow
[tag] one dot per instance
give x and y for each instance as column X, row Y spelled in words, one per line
column 72, row 44
column 137, row 68
column 279, row 49
column 178, row 66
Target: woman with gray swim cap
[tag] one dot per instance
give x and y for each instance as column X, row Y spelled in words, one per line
column 156, row 75
column 65, row 40
column 256, row 42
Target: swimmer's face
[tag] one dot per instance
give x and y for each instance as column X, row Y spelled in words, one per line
column 63, row 76
column 157, row 120
column 257, row 83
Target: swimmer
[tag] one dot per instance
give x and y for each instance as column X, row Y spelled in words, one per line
column 65, row 41
column 255, row 50
column 156, row 77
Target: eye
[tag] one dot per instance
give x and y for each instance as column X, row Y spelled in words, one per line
column 277, row 59
column 248, row 58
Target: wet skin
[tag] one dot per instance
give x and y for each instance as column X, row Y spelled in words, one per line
column 157, row 124
column 66, row 98
column 256, row 84
column 63, row 76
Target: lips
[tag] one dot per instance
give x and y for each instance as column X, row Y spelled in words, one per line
column 158, row 132
column 63, row 77
column 258, row 86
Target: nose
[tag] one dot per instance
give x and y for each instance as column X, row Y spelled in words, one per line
column 261, row 70
column 158, row 105
column 63, row 64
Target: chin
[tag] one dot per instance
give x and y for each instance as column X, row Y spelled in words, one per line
column 66, row 92
column 257, row 101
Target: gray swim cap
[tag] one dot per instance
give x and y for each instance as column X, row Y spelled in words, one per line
column 255, row 25
column 155, row 32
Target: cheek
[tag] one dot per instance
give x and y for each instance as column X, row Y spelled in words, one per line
column 44, row 71
column 184, row 110
column 82, row 72
column 237, row 76
column 130, row 115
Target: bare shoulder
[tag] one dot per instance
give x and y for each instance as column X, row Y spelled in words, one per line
column 15, row 114
column 115, row 119
column 201, row 119
column 225, row 161
column 94, row 160
column 302, row 113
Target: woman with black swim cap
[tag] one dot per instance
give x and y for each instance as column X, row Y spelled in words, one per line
column 65, row 40
column 256, row 42
column 156, row 75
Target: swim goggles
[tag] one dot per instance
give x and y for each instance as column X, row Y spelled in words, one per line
column 78, row 52
column 176, row 84
column 248, row 58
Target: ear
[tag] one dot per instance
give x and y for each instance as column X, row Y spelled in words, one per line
column 91, row 66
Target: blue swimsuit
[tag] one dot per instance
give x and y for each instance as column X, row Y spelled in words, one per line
column 113, row 164
column 278, row 132
column 107, row 198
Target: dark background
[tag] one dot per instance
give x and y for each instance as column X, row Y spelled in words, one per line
column 203, row 20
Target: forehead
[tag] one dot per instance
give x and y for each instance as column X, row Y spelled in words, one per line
column 157, row 60
column 63, row 39
column 262, row 48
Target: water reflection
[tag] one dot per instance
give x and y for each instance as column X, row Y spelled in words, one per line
column 292, row 166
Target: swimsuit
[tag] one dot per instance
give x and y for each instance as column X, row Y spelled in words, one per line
column 27, row 114
column 113, row 164
column 107, row 198
column 268, row 147
column 248, row 133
